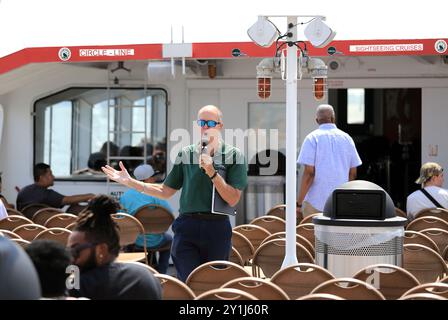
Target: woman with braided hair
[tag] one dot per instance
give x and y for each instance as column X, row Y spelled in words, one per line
column 95, row 244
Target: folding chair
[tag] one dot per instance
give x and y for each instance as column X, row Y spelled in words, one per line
column 259, row 288
column 213, row 274
column 130, row 228
column 350, row 289
column 173, row 288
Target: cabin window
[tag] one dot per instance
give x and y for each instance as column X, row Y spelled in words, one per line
column 269, row 122
column 80, row 129
column 355, row 106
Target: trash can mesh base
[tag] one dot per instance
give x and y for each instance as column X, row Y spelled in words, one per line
column 348, row 245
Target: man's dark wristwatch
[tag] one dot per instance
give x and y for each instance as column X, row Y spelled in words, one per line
column 214, row 175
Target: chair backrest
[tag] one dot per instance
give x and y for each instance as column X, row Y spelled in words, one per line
column 306, row 230
column 129, row 226
column 29, row 210
column 439, row 236
column 71, row 226
column 422, row 296
column 300, row 279
column 299, row 239
column 21, row 242
column 225, row 294
column 416, row 237
column 235, row 257
column 278, row 211
column 350, row 289
column 320, row 296
column 309, row 219
column 254, row 233
column 76, row 208
column 29, row 231
column 173, row 288
column 270, row 255
column 12, row 222
column 433, row 212
column 427, row 223
column 400, row 213
column 56, row 234
column 60, row 220
column 445, row 254
column 259, row 288
column 214, row 274
column 154, row 218
column 9, row 234
column 271, row 223
column 438, row 288
column 129, row 229
column 42, row 215
column 13, row 212
column 242, row 245
column 424, row 263
column 392, row 281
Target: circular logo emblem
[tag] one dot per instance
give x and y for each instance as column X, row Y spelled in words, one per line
column 64, row 54
column 440, row 46
column 236, row 52
column 331, row 51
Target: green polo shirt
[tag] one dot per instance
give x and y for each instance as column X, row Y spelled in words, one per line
column 196, row 186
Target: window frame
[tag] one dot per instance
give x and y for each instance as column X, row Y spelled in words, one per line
column 99, row 178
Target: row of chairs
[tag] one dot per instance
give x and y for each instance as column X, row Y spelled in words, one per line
column 432, row 222
column 26, row 233
column 30, row 210
column 254, row 246
column 376, row 282
column 280, row 211
column 148, row 219
column 55, row 220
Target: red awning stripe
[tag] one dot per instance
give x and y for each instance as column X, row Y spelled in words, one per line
column 219, row 51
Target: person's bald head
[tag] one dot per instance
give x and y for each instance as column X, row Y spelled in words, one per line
column 210, row 112
column 325, row 114
column 207, row 113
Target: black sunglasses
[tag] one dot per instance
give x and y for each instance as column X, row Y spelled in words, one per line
column 209, row 123
column 76, row 250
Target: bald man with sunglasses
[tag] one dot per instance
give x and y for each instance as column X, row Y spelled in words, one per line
column 199, row 235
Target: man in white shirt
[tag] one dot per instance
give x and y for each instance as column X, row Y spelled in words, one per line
column 330, row 159
column 431, row 180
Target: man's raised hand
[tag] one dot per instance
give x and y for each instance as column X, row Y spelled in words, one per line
column 122, row 176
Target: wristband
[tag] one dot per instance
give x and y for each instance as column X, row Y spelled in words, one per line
column 214, row 175
column 143, row 187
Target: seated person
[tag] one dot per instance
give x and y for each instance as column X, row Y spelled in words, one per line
column 158, row 158
column 95, row 244
column 18, row 277
column 132, row 200
column 96, row 161
column 38, row 192
column 51, row 260
column 431, row 180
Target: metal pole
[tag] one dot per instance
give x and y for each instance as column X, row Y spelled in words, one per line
column 291, row 145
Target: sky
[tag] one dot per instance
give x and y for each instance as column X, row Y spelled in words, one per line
column 41, row 23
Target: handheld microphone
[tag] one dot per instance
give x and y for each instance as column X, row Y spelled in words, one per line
column 204, row 148
column 204, row 145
